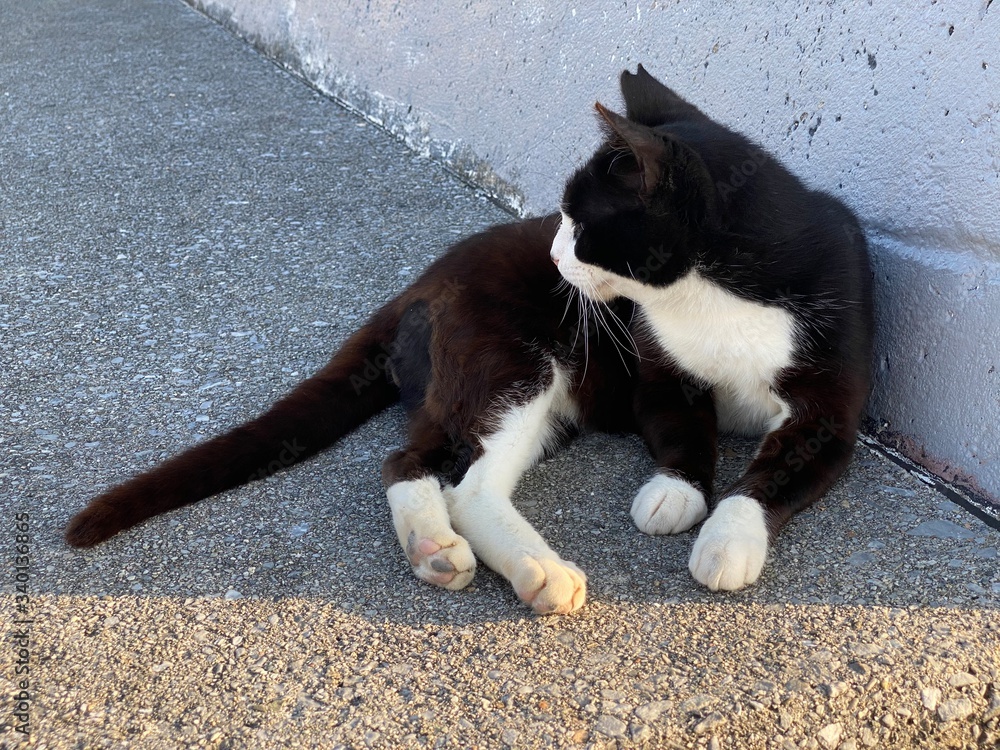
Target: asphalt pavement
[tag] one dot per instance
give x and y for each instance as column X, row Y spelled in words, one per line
column 185, row 232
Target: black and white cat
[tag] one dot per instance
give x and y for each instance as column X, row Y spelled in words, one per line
column 732, row 298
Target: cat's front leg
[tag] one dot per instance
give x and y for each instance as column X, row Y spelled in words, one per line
column 668, row 504
column 677, row 419
column 794, row 466
column 732, row 545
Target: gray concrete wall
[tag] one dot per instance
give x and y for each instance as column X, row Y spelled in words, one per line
column 893, row 107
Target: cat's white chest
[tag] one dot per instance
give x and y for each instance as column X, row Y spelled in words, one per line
column 736, row 346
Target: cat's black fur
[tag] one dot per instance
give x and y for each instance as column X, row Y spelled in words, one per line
column 485, row 330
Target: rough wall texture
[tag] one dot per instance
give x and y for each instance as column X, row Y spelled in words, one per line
column 893, row 107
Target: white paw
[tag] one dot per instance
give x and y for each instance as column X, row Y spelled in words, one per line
column 667, row 505
column 436, row 553
column 548, row 585
column 446, row 562
column 732, row 545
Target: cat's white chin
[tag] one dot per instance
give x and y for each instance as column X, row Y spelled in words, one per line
column 589, row 284
column 599, row 292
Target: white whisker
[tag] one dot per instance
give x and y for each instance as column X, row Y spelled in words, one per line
column 620, row 346
column 598, row 309
column 626, row 333
column 586, row 336
column 565, row 286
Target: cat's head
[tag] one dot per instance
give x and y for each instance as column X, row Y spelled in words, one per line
column 638, row 212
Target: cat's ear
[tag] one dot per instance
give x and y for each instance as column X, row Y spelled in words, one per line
column 663, row 163
column 649, row 102
column 645, row 145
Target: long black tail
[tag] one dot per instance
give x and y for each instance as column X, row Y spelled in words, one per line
column 338, row 399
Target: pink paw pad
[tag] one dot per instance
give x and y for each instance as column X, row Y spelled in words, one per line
column 451, row 566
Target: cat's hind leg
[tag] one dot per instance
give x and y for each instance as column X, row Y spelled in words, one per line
column 411, row 476
column 420, row 515
column 481, row 509
column 436, row 553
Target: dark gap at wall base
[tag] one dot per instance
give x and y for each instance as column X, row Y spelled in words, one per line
column 975, row 503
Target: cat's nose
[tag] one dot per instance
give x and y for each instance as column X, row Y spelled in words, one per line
column 555, row 258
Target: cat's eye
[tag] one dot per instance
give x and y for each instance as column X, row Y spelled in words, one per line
column 577, row 231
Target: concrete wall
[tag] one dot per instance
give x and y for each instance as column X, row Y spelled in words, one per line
column 893, row 107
